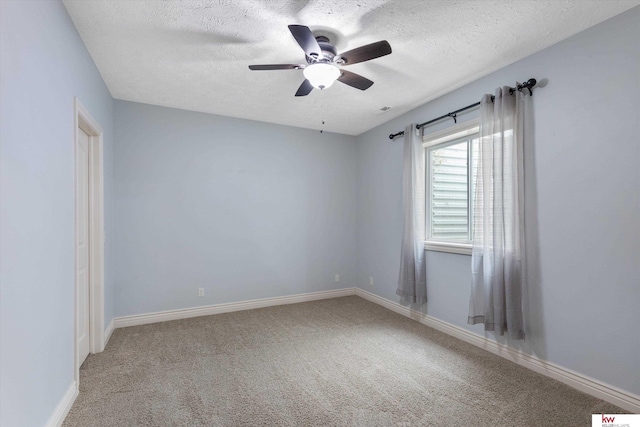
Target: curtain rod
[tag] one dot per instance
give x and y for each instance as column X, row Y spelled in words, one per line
column 526, row 85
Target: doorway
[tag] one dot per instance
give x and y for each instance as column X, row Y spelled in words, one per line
column 89, row 237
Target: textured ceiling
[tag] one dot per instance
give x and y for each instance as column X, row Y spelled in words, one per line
column 194, row 55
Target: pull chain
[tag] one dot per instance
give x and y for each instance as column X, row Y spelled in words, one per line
column 322, row 110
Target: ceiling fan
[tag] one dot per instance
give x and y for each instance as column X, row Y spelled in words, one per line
column 324, row 65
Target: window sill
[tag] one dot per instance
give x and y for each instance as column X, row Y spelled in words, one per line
column 448, row 247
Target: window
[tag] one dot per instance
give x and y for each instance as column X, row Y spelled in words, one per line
column 449, row 164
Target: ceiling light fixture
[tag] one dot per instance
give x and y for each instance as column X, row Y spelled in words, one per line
column 321, row 75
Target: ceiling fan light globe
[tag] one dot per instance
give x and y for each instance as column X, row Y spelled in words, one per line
column 321, row 75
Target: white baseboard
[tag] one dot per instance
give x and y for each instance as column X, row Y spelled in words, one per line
column 163, row 316
column 618, row 397
column 108, row 332
column 63, row 407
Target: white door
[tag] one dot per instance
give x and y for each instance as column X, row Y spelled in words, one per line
column 82, row 244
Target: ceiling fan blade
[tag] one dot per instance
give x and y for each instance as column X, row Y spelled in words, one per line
column 367, row 52
column 354, row 80
column 305, row 88
column 277, row 67
column 306, row 40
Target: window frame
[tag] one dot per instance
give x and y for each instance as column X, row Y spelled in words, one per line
column 443, row 138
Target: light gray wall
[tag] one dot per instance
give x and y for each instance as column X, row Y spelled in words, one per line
column 240, row 208
column 583, row 205
column 43, row 65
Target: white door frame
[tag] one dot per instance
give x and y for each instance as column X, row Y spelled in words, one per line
column 84, row 120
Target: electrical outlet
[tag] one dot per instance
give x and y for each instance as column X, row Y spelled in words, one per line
column 371, row 281
column 337, row 278
column 200, row 292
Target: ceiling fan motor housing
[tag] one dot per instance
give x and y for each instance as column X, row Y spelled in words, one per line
column 328, row 50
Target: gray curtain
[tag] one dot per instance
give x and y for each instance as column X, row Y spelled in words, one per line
column 412, row 283
column 498, row 222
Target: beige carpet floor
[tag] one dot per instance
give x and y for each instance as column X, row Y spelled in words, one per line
column 338, row 362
